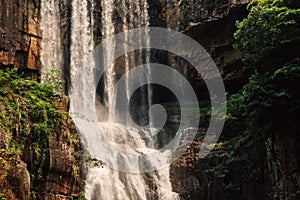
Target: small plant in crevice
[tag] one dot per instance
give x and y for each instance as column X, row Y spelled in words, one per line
column 94, row 161
column 53, row 79
column 2, row 196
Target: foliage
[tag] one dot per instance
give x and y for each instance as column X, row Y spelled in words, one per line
column 81, row 197
column 54, row 81
column 4, row 165
column 95, row 162
column 270, row 38
column 271, row 27
column 29, row 115
column 2, row 196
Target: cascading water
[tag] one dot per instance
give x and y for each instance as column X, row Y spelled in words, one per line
column 108, row 29
column 51, row 55
column 108, row 182
column 81, row 34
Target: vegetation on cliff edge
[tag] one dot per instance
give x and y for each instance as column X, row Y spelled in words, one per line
column 270, row 39
column 30, row 115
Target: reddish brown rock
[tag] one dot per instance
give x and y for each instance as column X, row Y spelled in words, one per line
column 15, row 179
column 20, row 34
column 61, row 170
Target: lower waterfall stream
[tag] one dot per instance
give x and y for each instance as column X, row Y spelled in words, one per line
column 107, row 183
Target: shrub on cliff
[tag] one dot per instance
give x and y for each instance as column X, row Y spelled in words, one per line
column 270, row 39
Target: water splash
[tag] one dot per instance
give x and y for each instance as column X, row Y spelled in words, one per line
column 107, row 183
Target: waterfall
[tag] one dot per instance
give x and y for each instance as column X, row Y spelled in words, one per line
column 81, row 34
column 102, row 138
column 108, row 29
column 51, row 54
column 136, row 16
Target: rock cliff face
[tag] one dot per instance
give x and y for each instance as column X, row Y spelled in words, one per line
column 212, row 24
column 267, row 168
column 216, row 36
column 20, row 35
column 60, row 177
